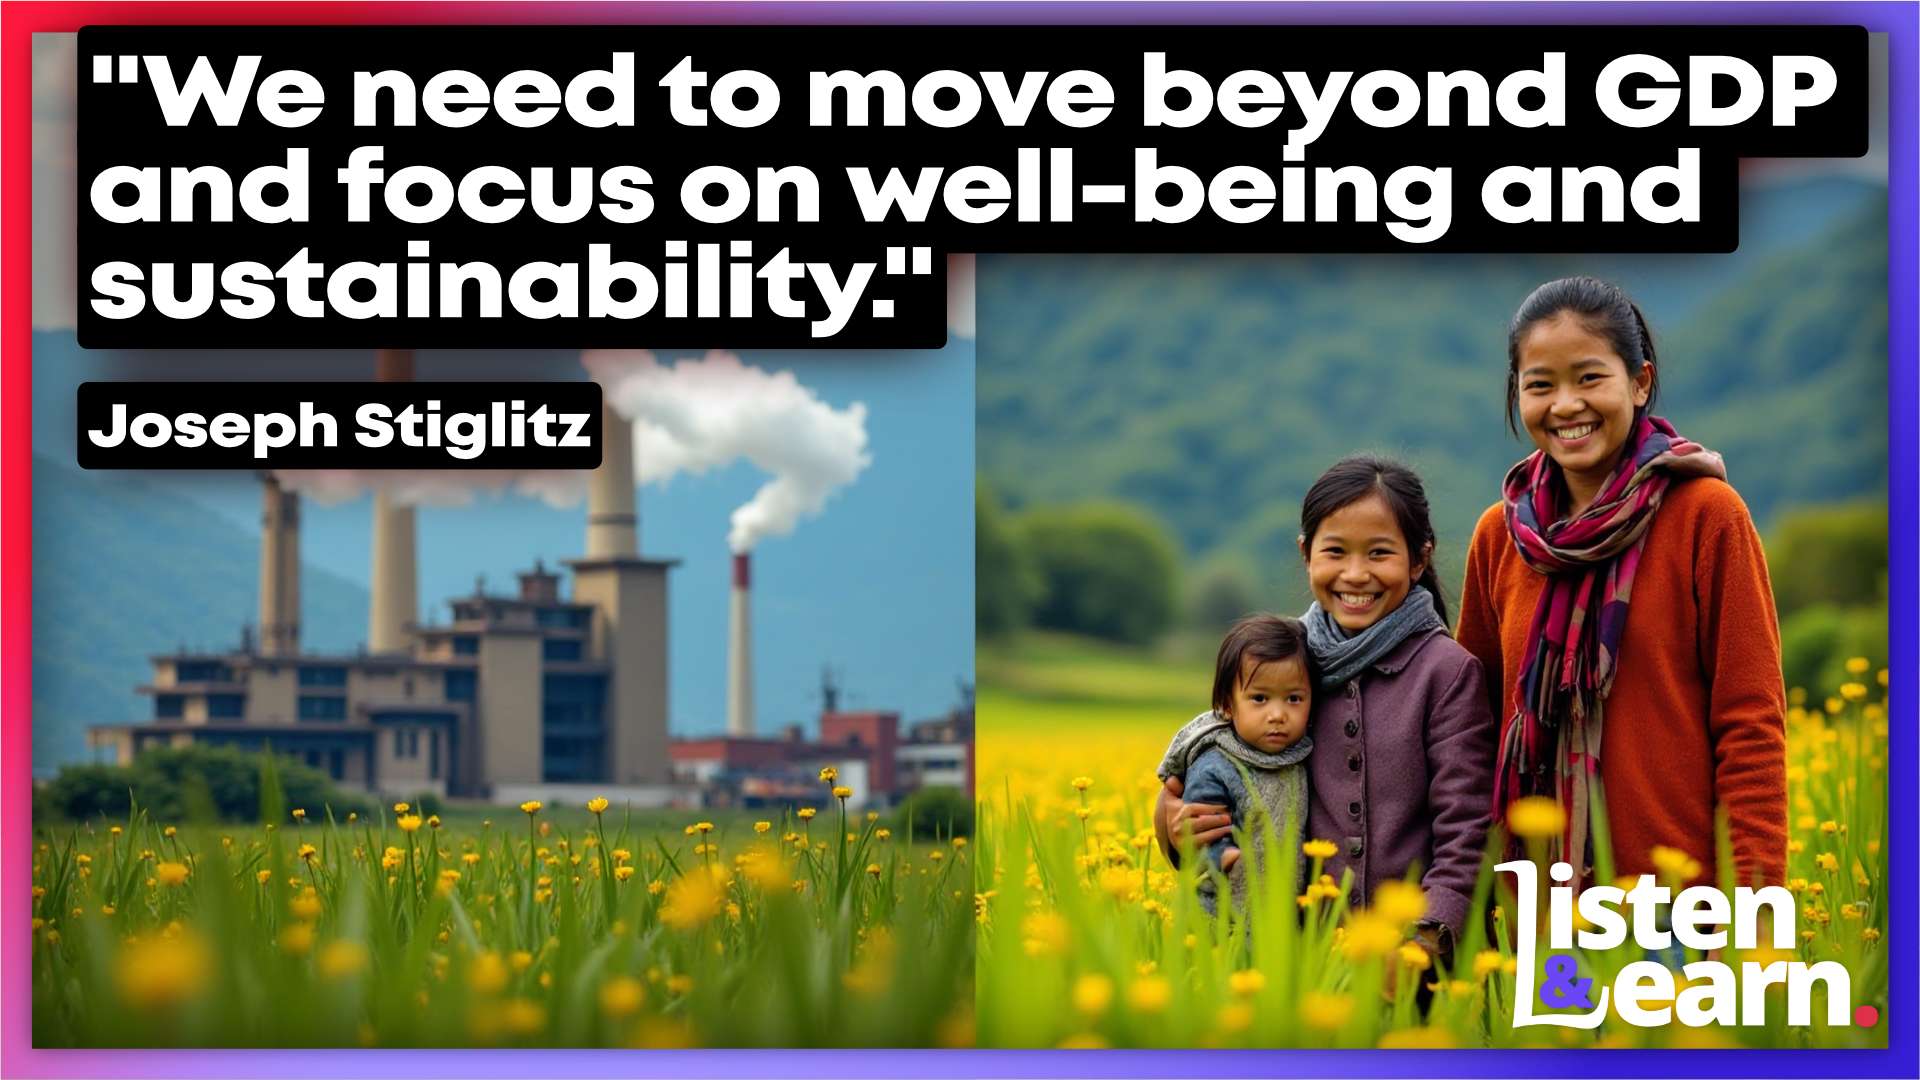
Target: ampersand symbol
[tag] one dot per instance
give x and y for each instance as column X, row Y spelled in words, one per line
column 1561, row 990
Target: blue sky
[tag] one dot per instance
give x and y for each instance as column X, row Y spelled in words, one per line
column 880, row 586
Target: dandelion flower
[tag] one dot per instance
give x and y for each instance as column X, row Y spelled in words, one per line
column 401, row 808
column 1858, row 665
column 1853, row 691
column 597, row 805
column 1082, row 783
column 308, row 851
column 1149, row 994
column 1246, row 983
column 1399, row 902
column 1325, row 1012
column 1827, row 861
column 408, row 822
column 829, row 774
column 1536, row 817
column 622, row 996
column 159, row 973
column 341, row 959
column 1485, row 963
column 1415, row 957
column 299, row 815
column 806, row 813
column 171, row 874
column 762, row 827
column 842, row 792
column 1092, row 994
column 1674, row 864
column 883, row 834
column 1319, row 849
column 297, row 938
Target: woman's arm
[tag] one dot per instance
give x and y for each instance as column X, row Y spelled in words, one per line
column 1209, row 821
column 1460, row 732
column 1479, row 628
column 1739, row 642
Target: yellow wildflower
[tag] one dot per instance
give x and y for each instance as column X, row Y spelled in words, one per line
column 1325, row 1012
column 401, row 808
column 762, row 827
column 1536, row 817
column 341, row 958
column 842, row 792
column 1399, row 902
column 1319, row 849
column 1149, row 994
column 1246, row 983
column 622, row 996
column 530, row 807
column 159, row 973
column 1092, row 994
column 1858, row 665
column 829, row 774
column 806, row 813
column 1082, row 783
column 171, row 874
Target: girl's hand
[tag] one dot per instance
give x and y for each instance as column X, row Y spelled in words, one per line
column 1209, row 821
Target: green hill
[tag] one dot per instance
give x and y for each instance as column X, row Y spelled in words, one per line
column 121, row 572
column 1214, row 390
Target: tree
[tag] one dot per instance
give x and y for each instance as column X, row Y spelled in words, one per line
column 1834, row 553
column 1006, row 584
column 1225, row 589
column 1111, row 570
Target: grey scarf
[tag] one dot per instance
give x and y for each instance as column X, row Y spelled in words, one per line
column 1209, row 730
column 1339, row 657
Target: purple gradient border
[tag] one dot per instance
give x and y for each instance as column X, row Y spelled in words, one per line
column 1900, row 1059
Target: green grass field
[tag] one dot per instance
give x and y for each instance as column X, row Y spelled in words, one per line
column 502, row 927
column 1088, row 938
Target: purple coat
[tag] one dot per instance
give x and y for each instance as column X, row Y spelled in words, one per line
column 1402, row 773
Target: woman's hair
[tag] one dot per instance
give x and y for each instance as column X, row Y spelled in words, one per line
column 1264, row 638
column 1354, row 478
column 1603, row 308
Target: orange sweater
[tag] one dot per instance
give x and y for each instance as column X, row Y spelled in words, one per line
column 1697, row 714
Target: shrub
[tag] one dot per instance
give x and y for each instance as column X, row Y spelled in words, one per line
column 938, row 812
column 188, row 783
column 1111, row 570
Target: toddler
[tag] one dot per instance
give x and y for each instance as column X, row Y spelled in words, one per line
column 1262, row 694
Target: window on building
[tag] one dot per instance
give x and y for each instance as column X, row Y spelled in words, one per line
column 202, row 671
column 564, row 618
column 461, row 685
column 560, row 649
column 433, row 755
column 571, row 759
column 399, row 743
column 466, row 645
column 323, row 676
column 226, row 706
column 315, row 707
column 573, row 705
column 337, row 764
column 168, row 706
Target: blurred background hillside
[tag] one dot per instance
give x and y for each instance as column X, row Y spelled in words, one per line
column 1148, row 425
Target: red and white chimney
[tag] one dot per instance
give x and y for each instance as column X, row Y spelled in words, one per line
column 740, row 654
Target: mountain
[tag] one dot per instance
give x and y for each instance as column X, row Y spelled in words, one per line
column 123, row 569
column 1214, row 390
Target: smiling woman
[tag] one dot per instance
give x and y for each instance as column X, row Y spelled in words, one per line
column 1621, row 583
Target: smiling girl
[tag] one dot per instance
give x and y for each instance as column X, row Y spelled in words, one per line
column 1619, row 587
column 1401, row 773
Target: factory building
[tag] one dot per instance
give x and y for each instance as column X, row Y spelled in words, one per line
column 517, row 695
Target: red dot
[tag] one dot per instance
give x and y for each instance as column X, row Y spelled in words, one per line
column 1866, row 1016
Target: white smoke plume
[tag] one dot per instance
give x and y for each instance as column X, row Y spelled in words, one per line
column 559, row 489
column 704, row 414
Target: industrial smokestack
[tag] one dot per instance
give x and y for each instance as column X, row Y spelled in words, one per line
column 613, row 526
column 279, row 569
column 740, row 654
column 395, row 599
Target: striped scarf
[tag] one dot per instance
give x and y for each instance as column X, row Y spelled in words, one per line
column 1552, row 745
